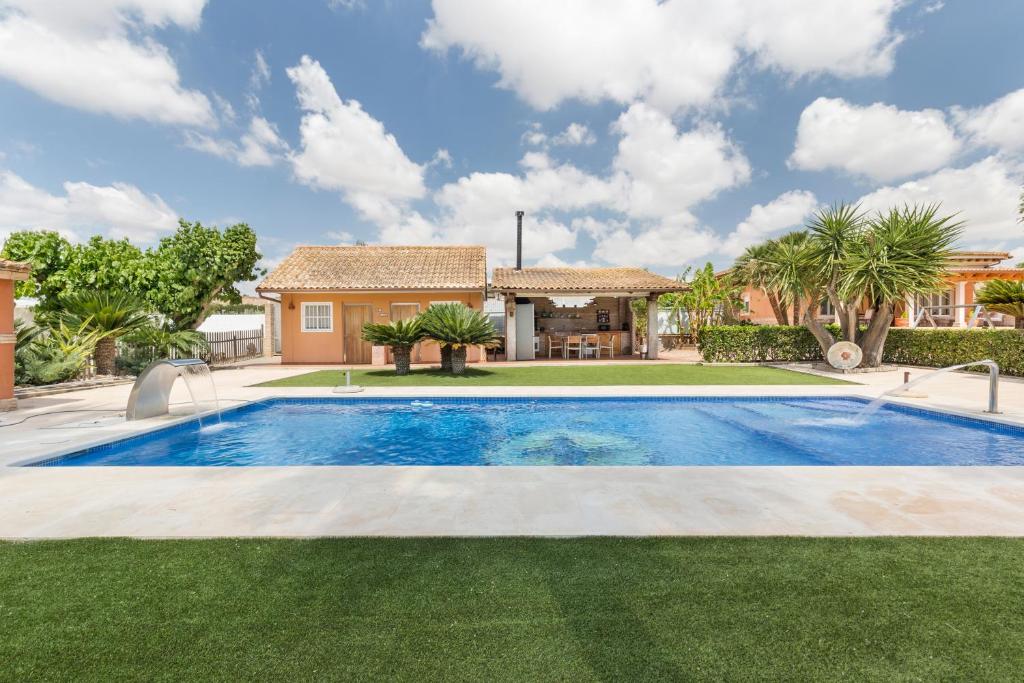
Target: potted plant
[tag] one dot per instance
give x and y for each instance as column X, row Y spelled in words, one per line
column 455, row 327
column 400, row 336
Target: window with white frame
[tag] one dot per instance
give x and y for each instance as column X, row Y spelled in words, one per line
column 938, row 303
column 318, row 317
column 826, row 309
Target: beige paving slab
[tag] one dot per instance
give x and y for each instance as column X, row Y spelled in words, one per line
column 481, row 501
column 318, row 501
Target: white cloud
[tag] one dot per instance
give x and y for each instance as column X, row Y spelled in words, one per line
column 788, row 210
column 673, row 242
column 535, row 135
column 101, row 56
column 670, row 54
column 442, row 157
column 347, row 150
column 984, row 194
column 575, row 134
column 999, row 124
column 120, row 209
column 664, row 171
column 260, row 145
column 878, row 141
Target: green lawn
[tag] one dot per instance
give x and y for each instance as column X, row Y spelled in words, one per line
column 515, row 609
column 558, row 375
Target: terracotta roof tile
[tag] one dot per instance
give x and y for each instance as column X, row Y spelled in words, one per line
column 16, row 270
column 582, row 280
column 379, row 268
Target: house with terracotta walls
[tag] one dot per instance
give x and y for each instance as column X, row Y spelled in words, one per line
column 327, row 294
column 10, row 272
column 954, row 306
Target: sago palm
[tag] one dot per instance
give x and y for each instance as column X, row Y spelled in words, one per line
column 1004, row 296
column 457, row 327
column 108, row 314
column 400, row 336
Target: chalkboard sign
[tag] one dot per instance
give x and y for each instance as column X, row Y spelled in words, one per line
column 603, row 316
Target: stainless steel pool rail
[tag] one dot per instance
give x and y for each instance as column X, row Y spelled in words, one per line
column 993, row 381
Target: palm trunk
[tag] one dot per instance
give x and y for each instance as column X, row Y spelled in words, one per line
column 821, row 334
column 104, row 355
column 796, row 311
column 446, row 358
column 459, row 360
column 873, row 341
column 777, row 309
column 402, row 359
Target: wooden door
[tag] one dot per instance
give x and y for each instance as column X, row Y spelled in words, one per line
column 354, row 317
column 404, row 312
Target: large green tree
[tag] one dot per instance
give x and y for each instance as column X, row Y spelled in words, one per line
column 857, row 261
column 756, row 268
column 185, row 275
column 197, row 267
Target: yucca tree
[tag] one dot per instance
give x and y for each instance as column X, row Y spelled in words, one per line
column 877, row 261
column 458, row 327
column 108, row 314
column 400, row 336
column 755, row 268
column 1004, row 296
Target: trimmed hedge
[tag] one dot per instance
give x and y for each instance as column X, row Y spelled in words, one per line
column 936, row 348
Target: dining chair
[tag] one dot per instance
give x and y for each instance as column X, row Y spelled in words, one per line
column 556, row 344
column 590, row 343
column 607, row 343
column 574, row 342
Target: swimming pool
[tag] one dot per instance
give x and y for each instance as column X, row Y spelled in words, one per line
column 645, row 431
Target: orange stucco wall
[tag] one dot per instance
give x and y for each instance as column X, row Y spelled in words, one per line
column 6, row 343
column 761, row 310
column 328, row 347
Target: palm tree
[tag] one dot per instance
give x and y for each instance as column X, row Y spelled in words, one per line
column 879, row 261
column 1004, row 296
column 458, row 327
column 436, row 323
column 400, row 336
column 755, row 268
column 110, row 315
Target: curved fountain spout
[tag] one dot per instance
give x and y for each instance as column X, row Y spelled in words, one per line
column 993, row 386
column 152, row 389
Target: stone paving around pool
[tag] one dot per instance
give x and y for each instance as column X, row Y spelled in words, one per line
column 404, row 501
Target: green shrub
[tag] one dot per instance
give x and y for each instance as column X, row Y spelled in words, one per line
column 757, row 343
column 935, row 348
column 944, row 347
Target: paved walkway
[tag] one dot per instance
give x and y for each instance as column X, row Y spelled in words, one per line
column 314, row 501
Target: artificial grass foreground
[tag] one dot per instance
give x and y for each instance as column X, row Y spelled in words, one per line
column 513, row 609
column 559, row 375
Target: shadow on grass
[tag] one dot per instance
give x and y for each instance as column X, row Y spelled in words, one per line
column 470, row 373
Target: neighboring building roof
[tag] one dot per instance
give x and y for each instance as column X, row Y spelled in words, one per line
column 14, row 270
column 976, row 259
column 347, row 268
column 582, row 280
column 231, row 322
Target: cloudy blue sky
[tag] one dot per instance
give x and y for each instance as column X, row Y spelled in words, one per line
column 659, row 134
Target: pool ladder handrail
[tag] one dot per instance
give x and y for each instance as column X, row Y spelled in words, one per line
column 993, row 381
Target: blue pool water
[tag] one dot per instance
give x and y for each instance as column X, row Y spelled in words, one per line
column 579, row 431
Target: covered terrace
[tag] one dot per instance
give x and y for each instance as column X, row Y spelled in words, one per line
column 547, row 308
